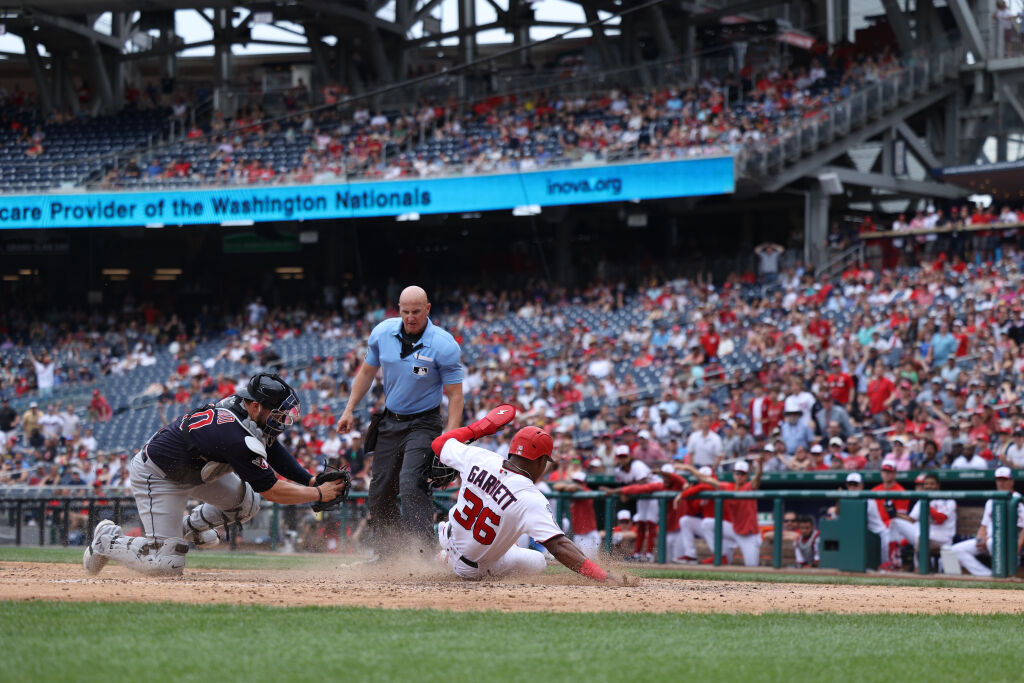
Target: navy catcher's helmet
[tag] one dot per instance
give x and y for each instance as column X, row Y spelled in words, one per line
column 270, row 391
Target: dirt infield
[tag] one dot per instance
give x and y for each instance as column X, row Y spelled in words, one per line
column 432, row 588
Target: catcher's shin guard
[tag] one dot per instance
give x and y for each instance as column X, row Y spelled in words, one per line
column 206, row 517
column 156, row 558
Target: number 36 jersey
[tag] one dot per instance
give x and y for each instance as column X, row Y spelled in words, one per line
column 495, row 506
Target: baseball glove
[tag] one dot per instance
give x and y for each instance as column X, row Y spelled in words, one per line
column 332, row 475
column 441, row 476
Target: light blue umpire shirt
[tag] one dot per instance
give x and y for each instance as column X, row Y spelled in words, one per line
column 414, row 384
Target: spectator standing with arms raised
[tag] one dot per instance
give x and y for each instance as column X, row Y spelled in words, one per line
column 45, row 368
column 418, row 361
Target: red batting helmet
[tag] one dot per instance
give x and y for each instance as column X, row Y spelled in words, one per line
column 531, row 443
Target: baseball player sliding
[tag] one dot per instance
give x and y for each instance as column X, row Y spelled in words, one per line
column 222, row 454
column 499, row 501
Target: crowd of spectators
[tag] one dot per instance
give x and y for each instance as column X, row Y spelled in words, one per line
column 511, row 132
column 919, row 365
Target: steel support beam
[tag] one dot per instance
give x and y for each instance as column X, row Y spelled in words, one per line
column 930, row 31
column 918, row 146
column 75, row 27
column 99, row 68
column 456, row 33
column 38, row 74
column 811, row 164
column 467, row 22
column 968, row 28
column 422, row 12
column 605, row 52
column 899, row 25
column 1011, row 99
column 347, row 12
column 318, row 50
column 880, row 181
column 666, row 46
column 816, row 205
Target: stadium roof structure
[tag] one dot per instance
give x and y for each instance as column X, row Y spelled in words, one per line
column 971, row 95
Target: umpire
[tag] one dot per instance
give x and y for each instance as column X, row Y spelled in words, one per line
column 418, row 361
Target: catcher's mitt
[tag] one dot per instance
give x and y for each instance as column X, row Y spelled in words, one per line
column 441, row 476
column 332, row 475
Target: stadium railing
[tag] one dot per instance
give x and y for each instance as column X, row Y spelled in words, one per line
column 60, row 503
column 1004, row 556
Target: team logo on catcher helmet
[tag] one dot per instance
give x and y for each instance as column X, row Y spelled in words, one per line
column 531, row 443
column 261, row 463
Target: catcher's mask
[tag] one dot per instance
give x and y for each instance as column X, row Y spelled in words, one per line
column 272, row 392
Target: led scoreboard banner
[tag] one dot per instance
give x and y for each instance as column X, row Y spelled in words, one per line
column 363, row 199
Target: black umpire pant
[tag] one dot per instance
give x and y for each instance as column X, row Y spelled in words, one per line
column 402, row 461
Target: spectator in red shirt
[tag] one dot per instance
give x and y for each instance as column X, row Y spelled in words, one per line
column 840, row 384
column 709, row 342
column 99, row 408
column 963, row 342
column 880, row 388
column 817, row 459
column 180, row 168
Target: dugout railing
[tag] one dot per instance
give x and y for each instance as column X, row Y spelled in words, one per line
column 52, row 509
column 1004, row 528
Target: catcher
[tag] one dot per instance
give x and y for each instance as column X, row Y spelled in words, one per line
column 499, row 501
column 224, row 455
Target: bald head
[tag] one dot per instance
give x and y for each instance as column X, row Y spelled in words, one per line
column 413, row 307
column 413, row 294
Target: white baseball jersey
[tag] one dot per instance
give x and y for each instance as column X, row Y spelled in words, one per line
column 637, row 473
column 939, row 533
column 495, row 506
column 986, row 518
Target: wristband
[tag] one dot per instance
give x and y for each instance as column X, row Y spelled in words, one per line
column 319, row 494
column 591, row 570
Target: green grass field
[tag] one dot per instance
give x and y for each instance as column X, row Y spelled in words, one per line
column 164, row 642
column 70, row 641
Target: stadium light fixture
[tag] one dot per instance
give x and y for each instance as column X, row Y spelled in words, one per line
column 527, row 210
column 154, row 226
column 411, row 216
column 245, row 222
column 168, row 271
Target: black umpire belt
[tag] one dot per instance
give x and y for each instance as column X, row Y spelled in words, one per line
column 406, row 418
column 463, row 558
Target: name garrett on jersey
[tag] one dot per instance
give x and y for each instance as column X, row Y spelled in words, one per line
column 492, row 486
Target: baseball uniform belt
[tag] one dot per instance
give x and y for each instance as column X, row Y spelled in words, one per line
column 463, row 558
column 406, row 418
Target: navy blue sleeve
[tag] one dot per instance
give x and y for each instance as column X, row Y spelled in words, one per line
column 221, row 438
column 286, row 465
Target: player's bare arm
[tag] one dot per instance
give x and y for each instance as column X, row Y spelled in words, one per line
column 456, row 402
column 360, row 385
column 289, row 493
column 566, row 552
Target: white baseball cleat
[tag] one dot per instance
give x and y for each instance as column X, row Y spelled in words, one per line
column 92, row 560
